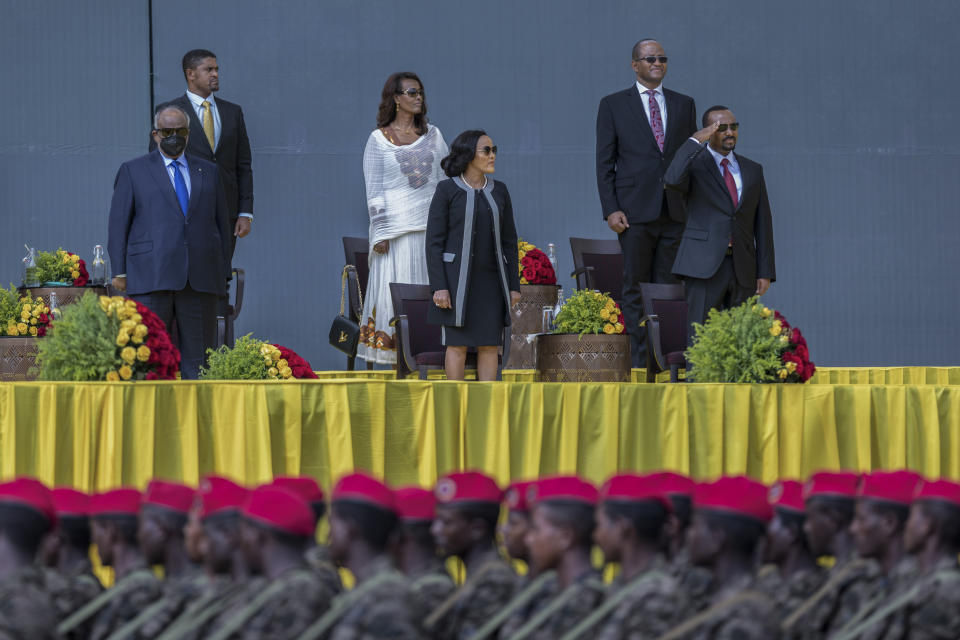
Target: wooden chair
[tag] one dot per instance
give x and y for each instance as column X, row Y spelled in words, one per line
column 225, row 333
column 356, row 251
column 598, row 264
column 419, row 343
column 667, row 326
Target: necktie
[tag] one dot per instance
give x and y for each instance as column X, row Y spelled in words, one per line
column 731, row 183
column 181, row 187
column 656, row 121
column 208, row 124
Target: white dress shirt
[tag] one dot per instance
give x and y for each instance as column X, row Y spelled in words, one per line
column 661, row 102
column 197, row 103
column 734, row 167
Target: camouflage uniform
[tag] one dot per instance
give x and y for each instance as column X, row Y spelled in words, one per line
column 123, row 601
column 695, row 582
column 553, row 616
column 71, row 590
column 203, row 616
column 548, row 591
column 429, row 588
column 652, row 606
column 739, row 611
column 847, row 588
column 178, row 592
column 318, row 557
column 25, row 606
column 489, row 588
column 789, row 593
column 381, row 611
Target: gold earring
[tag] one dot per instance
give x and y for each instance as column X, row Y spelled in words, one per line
column 397, row 105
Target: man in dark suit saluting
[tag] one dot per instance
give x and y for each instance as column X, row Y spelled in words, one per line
column 169, row 236
column 638, row 132
column 726, row 253
column 218, row 134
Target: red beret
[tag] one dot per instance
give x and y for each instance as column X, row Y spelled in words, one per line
column 169, row 495
column 467, row 486
column 415, row 504
column 116, row 502
column 362, row 487
column 280, row 509
column 632, row 487
column 70, row 502
column 890, row 486
column 31, row 493
column 570, row 488
column 516, row 495
column 738, row 495
column 219, row 495
column 787, row 494
column 304, row 486
column 835, row 484
column 673, row 483
column 941, row 490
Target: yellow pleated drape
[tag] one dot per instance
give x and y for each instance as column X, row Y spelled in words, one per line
column 99, row 435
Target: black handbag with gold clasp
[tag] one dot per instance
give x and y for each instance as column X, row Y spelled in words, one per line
column 345, row 331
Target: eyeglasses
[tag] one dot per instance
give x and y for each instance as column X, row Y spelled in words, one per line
column 180, row 131
column 652, row 59
column 488, row 150
column 733, row 126
column 412, row 93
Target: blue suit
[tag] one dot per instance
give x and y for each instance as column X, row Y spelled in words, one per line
column 175, row 264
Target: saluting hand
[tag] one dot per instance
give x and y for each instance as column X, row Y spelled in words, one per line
column 704, row 134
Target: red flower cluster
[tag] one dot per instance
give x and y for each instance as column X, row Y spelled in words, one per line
column 84, row 277
column 164, row 360
column 796, row 352
column 42, row 323
column 300, row 367
column 537, row 268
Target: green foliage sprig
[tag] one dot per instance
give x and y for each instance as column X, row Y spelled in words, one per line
column 56, row 266
column 742, row 344
column 245, row 361
column 589, row 312
column 80, row 345
column 9, row 306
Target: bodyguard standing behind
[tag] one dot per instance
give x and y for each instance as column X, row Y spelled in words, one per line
column 218, row 134
column 169, row 239
column 638, row 132
column 726, row 253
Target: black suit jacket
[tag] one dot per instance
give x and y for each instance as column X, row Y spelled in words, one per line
column 232, row 154
column 712, row 220
column 630, row 165
column 153, row 243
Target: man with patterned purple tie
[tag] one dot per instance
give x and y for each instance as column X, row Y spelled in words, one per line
column 726, row 253
column 638, row 132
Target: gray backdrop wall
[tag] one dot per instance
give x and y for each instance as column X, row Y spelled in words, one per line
column 848, row 105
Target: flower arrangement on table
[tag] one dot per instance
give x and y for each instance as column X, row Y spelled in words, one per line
column 589, row 312
column 534, row 265
column 252, row 359
column 62, row 267
column 22, row 315
column 748, row 343
column 104, row 338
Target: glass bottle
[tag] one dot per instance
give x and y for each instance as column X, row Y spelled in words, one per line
column 54, row 307
column 98, row 268
column 552, row 257
column 31, row 278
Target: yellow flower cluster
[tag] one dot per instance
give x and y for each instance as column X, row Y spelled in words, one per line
column 30, row 312
column 522, row 247
column 73, row 261
column 278, row 368
column 132, row 330
column 611, row 314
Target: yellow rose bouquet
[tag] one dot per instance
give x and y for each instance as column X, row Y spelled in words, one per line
column 62, row 267
column 22, row 315
column 252, row 359
column 590, row 312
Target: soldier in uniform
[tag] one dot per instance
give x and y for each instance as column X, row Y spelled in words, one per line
column 430, row 582
column 468, row 506
column 26, row 515
column 318, row 555
column 363, row 521
column 929, row 607
column 276, row 527
column 514, row 527
column 559, row 539
column 646, row 599
column 792, row 574
column 66, row 554
column 113, row 525
column 730, row 518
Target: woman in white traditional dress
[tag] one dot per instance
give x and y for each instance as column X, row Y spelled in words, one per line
column 401, row 168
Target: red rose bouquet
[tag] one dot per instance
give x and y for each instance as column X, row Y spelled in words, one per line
column 299, row 368
column 797, row 366
column 535, row 266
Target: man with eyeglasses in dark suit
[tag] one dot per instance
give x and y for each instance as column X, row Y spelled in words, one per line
column 638, row 132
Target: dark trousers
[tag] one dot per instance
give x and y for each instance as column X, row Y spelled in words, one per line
column 649, row 250
column 196, row 316
column 721, row 291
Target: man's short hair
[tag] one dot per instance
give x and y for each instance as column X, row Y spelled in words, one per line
column 717, row 107
column 168, row 106
column 635, row 53
column 192, row 58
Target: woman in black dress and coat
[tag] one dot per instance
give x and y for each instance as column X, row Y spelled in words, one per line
column 471, row 248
